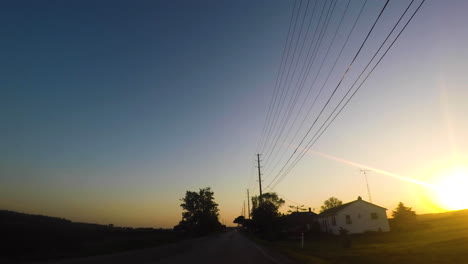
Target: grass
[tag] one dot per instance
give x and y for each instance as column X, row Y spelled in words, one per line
column 440, row 238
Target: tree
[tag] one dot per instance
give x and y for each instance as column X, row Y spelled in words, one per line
column 331, row 202
column 200, row 215
column 239, row 220
column 265, row 214
column 271, row 198
column 403, row 214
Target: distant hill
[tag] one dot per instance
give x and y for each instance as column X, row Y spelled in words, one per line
column 16, row 219
column 10, row 217
column 449, row 214
column 28, row 237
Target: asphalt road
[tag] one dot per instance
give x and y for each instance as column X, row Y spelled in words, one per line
column 229, row 247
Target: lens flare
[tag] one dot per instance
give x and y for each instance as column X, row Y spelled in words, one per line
column 452, row 188
column 447, row 192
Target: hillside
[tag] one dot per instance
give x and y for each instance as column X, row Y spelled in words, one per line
column 38, row 237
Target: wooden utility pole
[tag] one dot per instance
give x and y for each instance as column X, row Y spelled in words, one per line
column 243, row 209
column 259, row 179
column 248, row 203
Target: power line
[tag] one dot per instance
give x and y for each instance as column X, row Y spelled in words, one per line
column 352, row 86
column 304, row 41
column 313, row 83
column 334, row 91
column 323, row 85
column 279, row 108
column 355, row 91
column 279, row 80
column 276, row 82
column 293, row 99
column 253, row 182
column 312, row 142
column 291, row 201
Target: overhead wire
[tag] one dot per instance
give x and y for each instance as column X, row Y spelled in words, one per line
column 286, row 114
column 273, row 100
column 284, row 56
column 333, row 93
column 313, row 141
column 367, row 76
column 320, row 91
column 274, row 115
column 311, row 86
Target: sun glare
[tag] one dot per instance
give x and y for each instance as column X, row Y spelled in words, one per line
column 452, row 188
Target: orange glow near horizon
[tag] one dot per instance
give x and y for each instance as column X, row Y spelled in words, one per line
column 447, row 191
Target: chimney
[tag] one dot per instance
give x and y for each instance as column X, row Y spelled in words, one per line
column 359, row 198
column 310, row 210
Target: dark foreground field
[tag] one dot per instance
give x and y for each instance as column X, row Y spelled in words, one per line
column 40, row 239
column 32, row 237
column 438, row 238
column 229, row 247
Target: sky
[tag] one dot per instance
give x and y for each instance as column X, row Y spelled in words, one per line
column 112, row 110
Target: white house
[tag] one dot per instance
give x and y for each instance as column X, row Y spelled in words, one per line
column 357, row 217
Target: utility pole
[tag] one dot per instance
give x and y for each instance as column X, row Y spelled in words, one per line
column 243, row 209
column 259, row 179
column 367, row 183
column 248, row 202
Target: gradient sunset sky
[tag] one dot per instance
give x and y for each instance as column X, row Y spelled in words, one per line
column 111, row 110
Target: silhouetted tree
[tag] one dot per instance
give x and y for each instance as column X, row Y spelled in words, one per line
column 239, row 220
column 271, row 198
column 246, row 223
column 331, row 202
column 403, row 217
column 265, row 214
column 200, row 214
column 403, row 213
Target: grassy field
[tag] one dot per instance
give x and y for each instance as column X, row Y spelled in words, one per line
column 440, row 238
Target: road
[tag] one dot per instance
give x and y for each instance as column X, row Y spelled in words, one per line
column 229, row 247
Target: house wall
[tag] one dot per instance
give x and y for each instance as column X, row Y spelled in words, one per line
column 361, row 220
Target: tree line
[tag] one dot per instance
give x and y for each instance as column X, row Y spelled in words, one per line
column 200, row 214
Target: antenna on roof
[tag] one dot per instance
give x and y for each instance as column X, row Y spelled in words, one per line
column 367, row 183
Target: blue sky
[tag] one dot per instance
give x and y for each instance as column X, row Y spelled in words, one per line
column 111, row 109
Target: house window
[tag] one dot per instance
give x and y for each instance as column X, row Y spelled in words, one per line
column 348, row 220
column 374, row 216
column 334, row 221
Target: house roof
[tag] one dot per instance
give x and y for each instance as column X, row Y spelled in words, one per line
column 334, row 210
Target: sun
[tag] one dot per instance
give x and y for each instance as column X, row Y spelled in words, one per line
column 452, row 188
